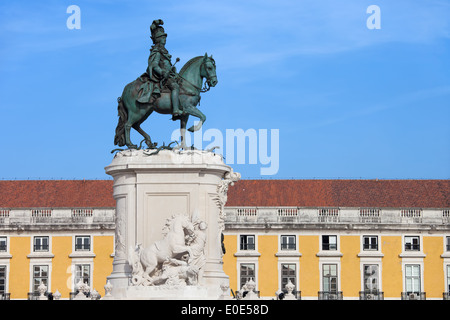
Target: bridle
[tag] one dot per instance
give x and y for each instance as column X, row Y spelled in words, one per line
column 206, row 86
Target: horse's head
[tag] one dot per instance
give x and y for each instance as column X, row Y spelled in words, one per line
column 187, row 225
column 208, row 70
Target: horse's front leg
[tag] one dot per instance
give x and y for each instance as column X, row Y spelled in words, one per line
column 196, row 113
column 183, row 121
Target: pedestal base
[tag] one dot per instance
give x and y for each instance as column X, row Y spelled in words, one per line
column 152, row 186
column 158, row 293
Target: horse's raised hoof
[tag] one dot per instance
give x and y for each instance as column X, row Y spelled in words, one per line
column 152, row 145
column 179, row 147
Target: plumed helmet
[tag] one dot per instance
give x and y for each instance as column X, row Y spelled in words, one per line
column 156, row 29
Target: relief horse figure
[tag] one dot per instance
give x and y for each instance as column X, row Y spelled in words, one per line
column 132, row 112
column 171, row 245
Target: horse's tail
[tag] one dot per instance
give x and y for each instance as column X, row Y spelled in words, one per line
column 119, row 139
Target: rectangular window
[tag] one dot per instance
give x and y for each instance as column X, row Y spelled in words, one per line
column 2, row 280
column 247, row 272
column 412, row 243
column 41, row 244
column 448, row 278
column 371, row 278
column 288, row 243
column 3, row 244
column 329, row 242
column 370, row 243
column 447, row 243
column 288, row 272
column 83, row 273
column 329, row 278
column 412, row 278
column 82, row 243
column 40, row 275
column 247, row 242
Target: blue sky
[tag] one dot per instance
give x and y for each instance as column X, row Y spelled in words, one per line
column 349, row 102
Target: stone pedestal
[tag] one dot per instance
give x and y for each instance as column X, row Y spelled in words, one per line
column 151, row 186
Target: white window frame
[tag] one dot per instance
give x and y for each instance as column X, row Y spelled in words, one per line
column 82, row 261
column 280, row 248
column 447, row 277
column 338, row 273
column 329, row 235
column 75, row 282
column 330, row 253
column 41, row 254
column 33, row 238
column 246, row 260
column 330, row 260
column 5, row 258
column 247, row 253
column 87, row 254
column 374, row 261
column 420, row 275
column 74, row 249
column 6, row 244
column 289, row 260
column 247, row 234
column 412, row 236
column 412, row 253
column 446, row 265
column 6, row 265
column 413, row 261
column 41, row 262
column 370, row 236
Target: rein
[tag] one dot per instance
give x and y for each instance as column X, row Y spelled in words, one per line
column 205, row 88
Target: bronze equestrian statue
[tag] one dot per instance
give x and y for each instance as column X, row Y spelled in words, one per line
column 165, row 91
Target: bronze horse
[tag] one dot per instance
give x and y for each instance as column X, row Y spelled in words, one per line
column 132, row 113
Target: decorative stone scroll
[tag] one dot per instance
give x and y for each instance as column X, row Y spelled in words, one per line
column 222, row 194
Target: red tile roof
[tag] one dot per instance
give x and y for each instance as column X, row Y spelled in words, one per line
column 270, row 193
column 56, row 194
column 341, row 193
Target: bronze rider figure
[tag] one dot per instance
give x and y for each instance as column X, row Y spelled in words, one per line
column 160, row 69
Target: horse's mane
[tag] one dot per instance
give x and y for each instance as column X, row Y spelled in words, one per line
column 170, row 221
column 188, row 64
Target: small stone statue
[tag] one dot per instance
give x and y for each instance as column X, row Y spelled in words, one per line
column 289, row 287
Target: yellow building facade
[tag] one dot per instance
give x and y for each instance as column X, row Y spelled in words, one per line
column 59, row 268
column 311, row 266
column 395, row 250
column 340, row 239
column 56, row 254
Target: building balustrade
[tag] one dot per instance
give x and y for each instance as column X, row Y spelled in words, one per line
column 5, row 296
column 413, row 296
column 36, row 295
column 338, row 216
column 371, row 295
column 330, row 295
column 297, row 294
column 48, row 218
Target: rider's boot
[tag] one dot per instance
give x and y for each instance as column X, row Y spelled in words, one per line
column 176, row 103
